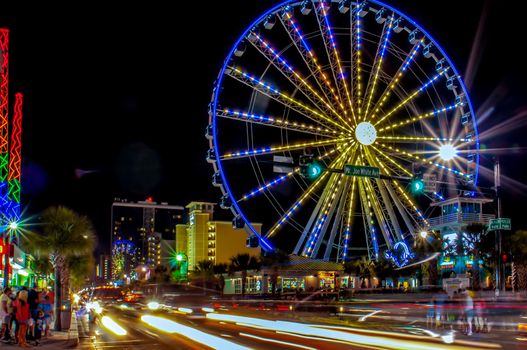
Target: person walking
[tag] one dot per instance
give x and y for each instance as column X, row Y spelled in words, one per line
column 22, row 316
column 5, row 314
column 469, row 311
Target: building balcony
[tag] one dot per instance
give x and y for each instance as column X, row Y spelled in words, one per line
column 460, row 219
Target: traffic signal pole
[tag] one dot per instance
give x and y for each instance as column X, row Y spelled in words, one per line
column 500, row 285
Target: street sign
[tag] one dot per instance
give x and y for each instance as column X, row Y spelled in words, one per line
column 500, row 224
column 358, row 170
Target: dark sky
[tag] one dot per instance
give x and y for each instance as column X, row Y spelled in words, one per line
column 124, row 91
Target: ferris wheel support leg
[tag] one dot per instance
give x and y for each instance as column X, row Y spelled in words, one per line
column 337, row 222
column 329, row 216
column 302, row 238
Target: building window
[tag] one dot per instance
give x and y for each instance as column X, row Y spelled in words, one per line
column 237, row 286
column 254, row 284
column 292, row 283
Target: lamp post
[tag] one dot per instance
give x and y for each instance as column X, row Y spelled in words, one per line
column 11, row 227
column 182, row 264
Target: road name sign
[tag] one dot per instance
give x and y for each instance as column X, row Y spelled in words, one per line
column 500, row 224
column 359, row 170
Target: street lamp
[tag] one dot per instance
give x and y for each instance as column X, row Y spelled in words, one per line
column 11, row 228
column 423, row 234
column 182, row 264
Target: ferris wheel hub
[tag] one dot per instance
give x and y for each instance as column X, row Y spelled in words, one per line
column 366, row 133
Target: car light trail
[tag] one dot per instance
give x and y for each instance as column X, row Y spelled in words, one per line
column 112, row 326
column 195, row 335
column 328, row 334
column 277, row 341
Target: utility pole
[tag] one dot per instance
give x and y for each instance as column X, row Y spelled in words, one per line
column 497, row 233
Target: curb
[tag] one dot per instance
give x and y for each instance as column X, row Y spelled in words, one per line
column 73, row 332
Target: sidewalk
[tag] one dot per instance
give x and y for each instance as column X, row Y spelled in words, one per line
column 58, row 340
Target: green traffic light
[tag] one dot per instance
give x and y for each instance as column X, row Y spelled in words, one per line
column 417, row 185
column 314, row 170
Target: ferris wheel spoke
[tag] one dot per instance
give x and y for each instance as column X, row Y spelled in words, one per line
column 402, row 171
column 415, row 157
column 377, row 62
column 322, row 200
column 271, row 121
column 332, row 52
column 333, row 205
column 324, row 216
column 280, row 179
column 295, row 78
column 276, row 149
column 267, row 186
column 369, row 228
column 413, row 95
column 284, row 99
column 411, row 216
column 344, row 246
column 356, row 56
column 417, row 119
column 391, row 224
column 405, row 207
column 395, row 79
column 310, row 59
column 412, row 139
column 303, row 197
column 386, row 227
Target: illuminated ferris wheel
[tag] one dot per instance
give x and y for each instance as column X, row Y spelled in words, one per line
column 326, row 119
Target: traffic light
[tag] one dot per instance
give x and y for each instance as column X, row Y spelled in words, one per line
column 309, row 168
column 417, row 185
column 504, row 257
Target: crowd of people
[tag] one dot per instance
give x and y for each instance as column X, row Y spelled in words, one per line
column 461, row 310
column 25, row 314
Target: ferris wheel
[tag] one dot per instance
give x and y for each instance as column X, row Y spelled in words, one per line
column 327, row 119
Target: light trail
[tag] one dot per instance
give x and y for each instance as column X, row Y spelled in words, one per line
column 193, row 334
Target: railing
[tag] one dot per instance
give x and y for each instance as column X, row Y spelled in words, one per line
column 461, row 218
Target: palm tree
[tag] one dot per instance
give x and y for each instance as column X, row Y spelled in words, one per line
column 274, row 260
column 519, row 258
column 64, row 234
column 204, row 271
column 242, row 263
column 428, row 245
column 363, row 268
column 43, row 267
column 79, row 268
column 472, row 237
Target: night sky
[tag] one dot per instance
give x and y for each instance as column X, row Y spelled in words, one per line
column 124, row 91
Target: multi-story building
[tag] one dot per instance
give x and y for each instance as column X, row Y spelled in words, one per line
column 105, row 267
column 202, row 238
column 137, row 231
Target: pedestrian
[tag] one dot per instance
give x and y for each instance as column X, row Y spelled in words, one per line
column 47, row 308
column 32, row 300
column 469, row 311
column 430, row 313
column 39, row 326
column 440, row 300
column 480, row 319
column 22, row 317
column 5, row 314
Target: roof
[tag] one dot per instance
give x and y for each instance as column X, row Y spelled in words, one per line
column 301, row 263
column 461, row 200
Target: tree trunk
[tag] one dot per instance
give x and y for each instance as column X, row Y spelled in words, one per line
column 58, row 299
column 475, row 271
column 244, row 279
column 432, row 272
column 522, row 276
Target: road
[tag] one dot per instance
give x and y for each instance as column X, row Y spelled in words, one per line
column 266, row 326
